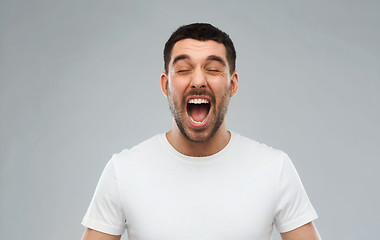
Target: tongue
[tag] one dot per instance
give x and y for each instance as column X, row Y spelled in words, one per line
column 199, row 112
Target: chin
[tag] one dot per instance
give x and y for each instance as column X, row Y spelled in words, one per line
column 198, row 139
column 198, row 135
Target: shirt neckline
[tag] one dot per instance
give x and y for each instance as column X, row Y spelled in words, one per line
column 168, row 147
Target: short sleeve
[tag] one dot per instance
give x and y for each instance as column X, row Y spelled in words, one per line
column 105, row 212
column 293, row 208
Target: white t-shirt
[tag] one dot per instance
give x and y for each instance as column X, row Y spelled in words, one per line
column 239, row 193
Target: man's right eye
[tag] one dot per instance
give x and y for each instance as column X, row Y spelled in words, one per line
column 183, row 71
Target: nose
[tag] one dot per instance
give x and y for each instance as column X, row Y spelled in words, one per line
column 198, row 79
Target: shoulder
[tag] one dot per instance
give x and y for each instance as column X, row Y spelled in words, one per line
column 256, row 149
column 138, row 151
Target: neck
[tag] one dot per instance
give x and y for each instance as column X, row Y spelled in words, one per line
column 199, row 149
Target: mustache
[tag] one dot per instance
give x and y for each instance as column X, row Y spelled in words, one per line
column 199, row 92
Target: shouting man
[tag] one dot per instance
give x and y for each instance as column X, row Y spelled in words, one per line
column 199, row 180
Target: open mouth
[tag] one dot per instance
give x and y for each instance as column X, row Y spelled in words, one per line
column 198, row 110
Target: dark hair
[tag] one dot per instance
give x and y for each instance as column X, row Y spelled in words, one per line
column 201, row 32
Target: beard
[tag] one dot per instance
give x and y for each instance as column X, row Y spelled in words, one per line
column 179, row 114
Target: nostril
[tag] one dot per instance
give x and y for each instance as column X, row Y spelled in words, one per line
column 202, row 86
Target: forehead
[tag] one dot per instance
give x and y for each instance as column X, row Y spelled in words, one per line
column 198, row 50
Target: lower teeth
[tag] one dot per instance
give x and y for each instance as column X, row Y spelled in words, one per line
column 197, row 121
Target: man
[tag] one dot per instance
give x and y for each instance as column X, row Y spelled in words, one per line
column 199, row 181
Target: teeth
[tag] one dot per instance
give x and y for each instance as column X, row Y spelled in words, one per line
column 197, row 121
column 198, row 100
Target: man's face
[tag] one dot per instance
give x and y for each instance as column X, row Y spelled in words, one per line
column 198, row 86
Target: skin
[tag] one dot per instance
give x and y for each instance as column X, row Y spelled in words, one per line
column 90, row 234
column 305, row 232
column 197, row 70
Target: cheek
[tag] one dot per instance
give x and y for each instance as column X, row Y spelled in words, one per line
column 177, row 87
column 219, row 87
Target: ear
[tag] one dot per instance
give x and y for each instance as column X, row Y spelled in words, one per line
column 234, row 83
column 164, row 83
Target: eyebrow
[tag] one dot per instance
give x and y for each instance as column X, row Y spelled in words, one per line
column 210, row 58
column 217, row 58
column 180, row 57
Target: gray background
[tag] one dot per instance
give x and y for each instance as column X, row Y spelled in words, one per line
column 80, row 81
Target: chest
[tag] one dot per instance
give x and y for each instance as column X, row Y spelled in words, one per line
column 199, row 203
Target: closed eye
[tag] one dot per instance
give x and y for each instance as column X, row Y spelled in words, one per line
column 213, row 70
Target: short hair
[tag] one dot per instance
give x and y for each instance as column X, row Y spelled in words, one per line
column 201, row 32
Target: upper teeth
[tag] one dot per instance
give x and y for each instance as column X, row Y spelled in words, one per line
column 198, row 100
